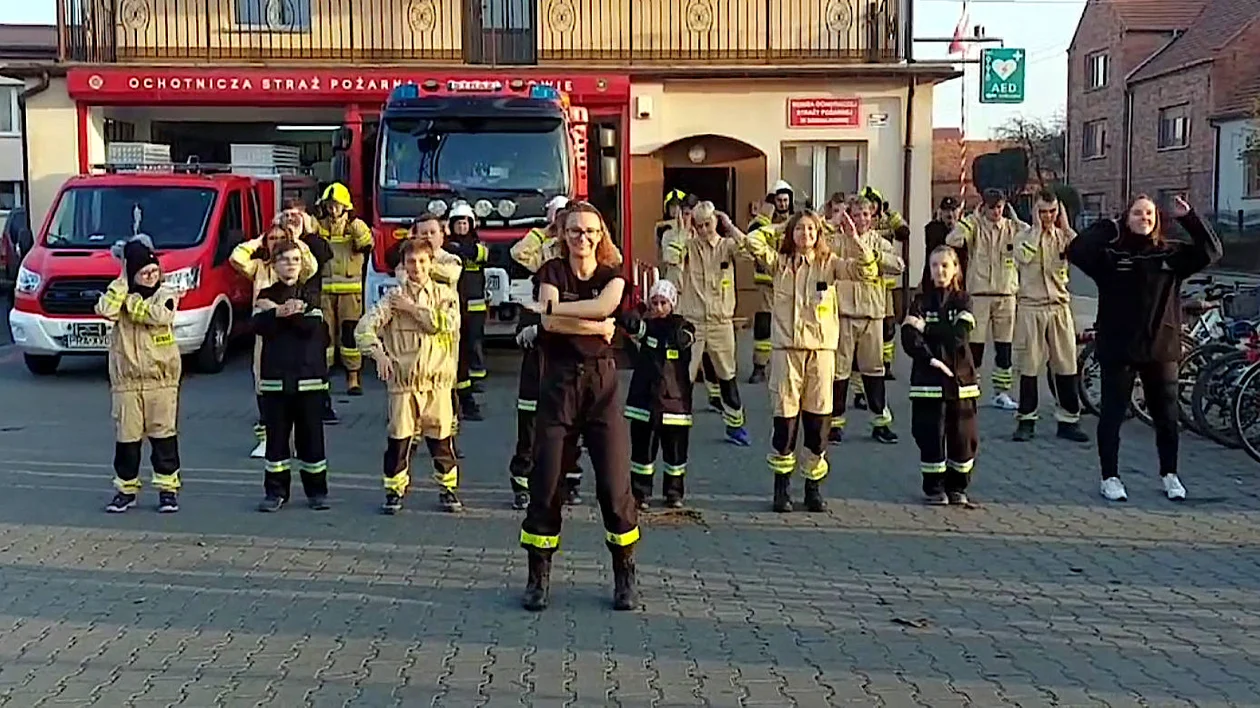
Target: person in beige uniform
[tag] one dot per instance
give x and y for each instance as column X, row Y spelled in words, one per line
column 351, row 241
column 992, row 281
column 1044, row 329
column 144, row 373
column 806, row 334
column 862, row 312
column 412, row 335
column 705, row 268
column 253, row 260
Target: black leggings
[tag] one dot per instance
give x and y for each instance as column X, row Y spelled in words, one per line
column 1159, row 383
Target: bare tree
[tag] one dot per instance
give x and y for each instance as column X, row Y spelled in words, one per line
column 1044, row 142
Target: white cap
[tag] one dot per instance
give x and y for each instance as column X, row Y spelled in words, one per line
column 558, row 202
column 782, row 186
column 461, row 209
column 665, row 289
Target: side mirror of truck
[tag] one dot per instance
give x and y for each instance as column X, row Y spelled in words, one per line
column 340, row 168
column 342, row 137
column 608, row 172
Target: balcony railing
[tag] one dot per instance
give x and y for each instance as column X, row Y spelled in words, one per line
column 486, row 32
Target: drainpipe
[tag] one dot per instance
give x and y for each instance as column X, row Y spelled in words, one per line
column 45, row 80
column 907, row 154
column 1216, row 168
column 1126, row 120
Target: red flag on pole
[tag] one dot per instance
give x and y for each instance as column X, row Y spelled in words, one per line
column 958, row 46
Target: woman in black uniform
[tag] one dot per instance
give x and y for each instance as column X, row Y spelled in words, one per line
column 579, row 294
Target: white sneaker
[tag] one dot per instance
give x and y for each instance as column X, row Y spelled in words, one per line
column 1112, row 489
column 1173, row 487
column 260, row 451
column 1005, row 402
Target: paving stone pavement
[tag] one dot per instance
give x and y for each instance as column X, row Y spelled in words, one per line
column 1042, row 596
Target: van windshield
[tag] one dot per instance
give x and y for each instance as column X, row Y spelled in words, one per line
column 98, row 217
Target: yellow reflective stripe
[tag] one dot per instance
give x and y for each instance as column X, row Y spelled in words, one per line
column 639, row 414
column 472, row 267
column 931, row 317
column 763, row 278
column 350, row 354
column 1028, row 247
column 127, row 486
column 476, row 305
column 312, row 385
column 890, row 282
column 522, row 482
column 763, row 345
column 714, row 390
column 398, row 483
column 883, row 419
column 964, row 467
column 733, row 418
column 650, row 342
column 114, row 297
column 539, row 541
column 477, row 373
column 676, row 419
column 1026, row 416
column 781, row 464
column 676, row 470
column 140, row 309
column 838, row 422
column 343, row 288
column 818, row 471
column 1064, row 417
column 314, row 467
column 524, row 405
column 167, row 482
column 270, row 385
column 281, row 466
column 447, row 479
column 463, row 385
column 164, row 339
column 932, row 467
column 966, row 317
column 482, row 253
column 972, row 391
column 928, row 392
column 643, row 469
column 622, row 539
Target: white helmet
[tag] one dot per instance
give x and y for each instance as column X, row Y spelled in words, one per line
column 557, row 202
column 461, row 209
column 783, row 186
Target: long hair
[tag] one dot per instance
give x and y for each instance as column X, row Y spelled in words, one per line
column 274, row 232
column 787, row 246
column 1131, row 239
column 955, row 285
column 606, row 253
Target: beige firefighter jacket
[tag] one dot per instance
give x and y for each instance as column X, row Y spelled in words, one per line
column 865, row 295
column 804, row 310
column 535, row 249
column 348, row 238
column 705, row 269
column 143, row 355
column 674, row 252
column 424, row 349
column 991, row 268
column 1043, row 269
column 261, row 272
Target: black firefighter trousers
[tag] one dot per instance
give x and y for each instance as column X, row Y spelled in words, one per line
column 296, row 417
column 947, row 434
column 526, row 415
column 580, row 399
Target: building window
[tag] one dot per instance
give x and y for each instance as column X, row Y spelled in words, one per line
column 1094, row 139
column 1164, row 197
column 10, row 196
column 818, row 170
column 1174, row 127
column 506, row 15
column 1093, row 205
column 283, row 15
column 1097, row 68
column 1251, row 169
column 9, row 122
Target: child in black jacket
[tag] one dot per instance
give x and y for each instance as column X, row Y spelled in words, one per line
column 293, row 377
column 943, row 388
column 659, row 401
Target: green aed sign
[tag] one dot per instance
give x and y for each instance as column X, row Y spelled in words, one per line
column 1002, row 75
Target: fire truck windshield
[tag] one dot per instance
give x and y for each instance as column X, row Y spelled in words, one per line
column 497, row 157
column 97, row 217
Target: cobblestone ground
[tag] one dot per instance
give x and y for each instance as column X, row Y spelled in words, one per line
column 1044, row 595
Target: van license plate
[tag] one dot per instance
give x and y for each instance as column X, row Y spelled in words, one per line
column 87, row 335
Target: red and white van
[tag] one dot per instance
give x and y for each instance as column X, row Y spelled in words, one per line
column 194, row 220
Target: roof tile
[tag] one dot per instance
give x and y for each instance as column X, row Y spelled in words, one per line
column 1214, row 26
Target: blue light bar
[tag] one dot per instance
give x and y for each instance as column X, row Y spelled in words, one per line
column 546, row 93
column 404, row 92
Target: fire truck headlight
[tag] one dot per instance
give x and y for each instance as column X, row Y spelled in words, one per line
column 437, row 207
column 506, row 208
column 483, row 208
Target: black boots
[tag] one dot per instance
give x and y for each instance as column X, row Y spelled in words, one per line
column 1073, row 432
column 1025, row 430
column 813, row 496
column 758, row 374
column 625, row 592
column 538, row 588
column 782, row 498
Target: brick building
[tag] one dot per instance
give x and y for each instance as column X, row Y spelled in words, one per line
column 1144, row 79
column 950, row 164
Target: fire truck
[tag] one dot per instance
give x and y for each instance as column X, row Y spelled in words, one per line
column 506, row 148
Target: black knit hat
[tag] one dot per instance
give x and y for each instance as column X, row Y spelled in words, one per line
column 137, row 254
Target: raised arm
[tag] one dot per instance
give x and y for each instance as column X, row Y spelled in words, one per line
column 366, row 332
column 110, row 303
column 446, row 267
column 242, row 258
column 529, row 250
column 963, row 233
column 1027, row 244
column 1088, row 251
column 361, row 235
column 1205, row 247
column 890, row 263
column 157, row 311
column 442, row 318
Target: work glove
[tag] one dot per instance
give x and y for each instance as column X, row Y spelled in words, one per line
column 525, row 339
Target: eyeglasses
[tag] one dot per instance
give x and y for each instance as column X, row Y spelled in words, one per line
column 583, row 232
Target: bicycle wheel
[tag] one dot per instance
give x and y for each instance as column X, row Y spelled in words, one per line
column 1192, row 366
column 1247, row 411
column 1213, row 398
column 1089, row 380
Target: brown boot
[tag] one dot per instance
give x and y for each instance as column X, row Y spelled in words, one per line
column 538, row 588
column 625, row 593
column 354, row 383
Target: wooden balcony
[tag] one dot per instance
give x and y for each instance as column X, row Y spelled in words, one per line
column 623, row 33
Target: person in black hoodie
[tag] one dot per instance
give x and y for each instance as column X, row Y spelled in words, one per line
column 303, row 226
column 658, row 404
column 935, row 232
column 293, row 375
column 1139, row 276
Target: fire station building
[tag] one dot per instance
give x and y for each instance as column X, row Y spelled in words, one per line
column 720, row 98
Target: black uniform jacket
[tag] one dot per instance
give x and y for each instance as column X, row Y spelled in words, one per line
column 947, row 323
column 322, row 250
column 293, row 357
column 1139, row 285
column 472, row 282
column 660, row 389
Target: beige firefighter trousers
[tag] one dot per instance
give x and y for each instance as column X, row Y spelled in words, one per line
column 342, row 311
column 861, row 342
column 145, row 414
column 995, row 315
column 429, row 414
column 800, row 380
column 1045, row 333
column 717, row 339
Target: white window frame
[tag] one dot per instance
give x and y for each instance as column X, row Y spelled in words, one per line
column 17, row 194
column 1183, row 117
column 265, row 26
column 1096, row 64
column 1099, row 142
column 12, row 90
column 1251, row 175
column 818, row 165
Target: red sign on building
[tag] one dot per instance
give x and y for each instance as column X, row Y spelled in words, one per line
column 824, row 112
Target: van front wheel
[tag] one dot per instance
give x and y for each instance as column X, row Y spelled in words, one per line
column 212, row 355
column 42, row 364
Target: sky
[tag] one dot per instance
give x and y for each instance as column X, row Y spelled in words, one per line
column 1043, row 28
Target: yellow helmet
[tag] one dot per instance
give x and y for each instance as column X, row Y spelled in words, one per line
column 675, row 195
column 337, row 193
